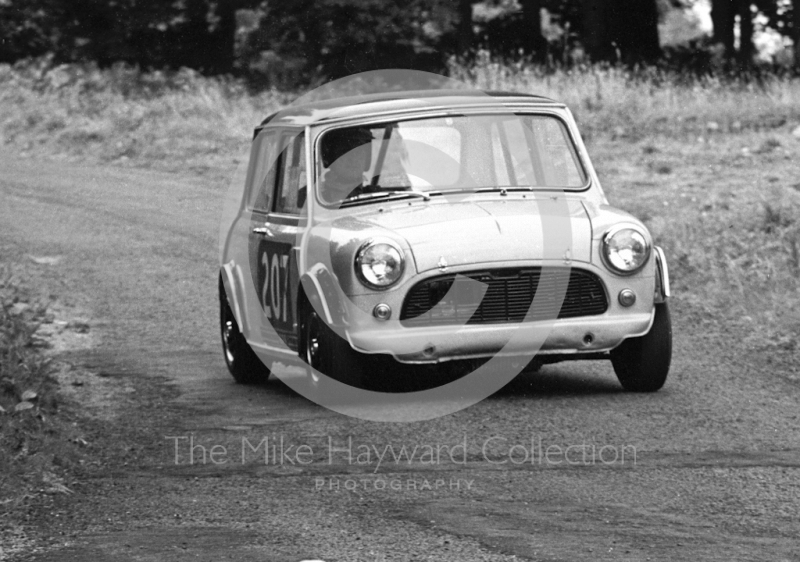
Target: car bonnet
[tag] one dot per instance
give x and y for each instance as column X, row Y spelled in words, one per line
column 490, row 230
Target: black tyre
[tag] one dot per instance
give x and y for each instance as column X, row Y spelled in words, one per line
column 327, row 353
column 242, row 361
column 642, row 363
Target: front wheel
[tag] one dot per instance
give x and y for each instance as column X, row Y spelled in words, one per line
column 328, row 355
column 242, row 361
column 642, row 363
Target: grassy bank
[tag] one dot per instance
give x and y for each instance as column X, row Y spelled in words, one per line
column 616, row 102
column 122, row 115
column 171, row 120
column 38, row 446
column 726, row 209
column 711, row 165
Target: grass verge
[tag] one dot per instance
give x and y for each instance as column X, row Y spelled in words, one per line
column 615, row 102
column 37, row 443
column 121, row 115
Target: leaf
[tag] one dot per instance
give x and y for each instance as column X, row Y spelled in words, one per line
column 29, row 396
column 22, row 406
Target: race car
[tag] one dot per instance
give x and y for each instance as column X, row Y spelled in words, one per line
column 432, row 227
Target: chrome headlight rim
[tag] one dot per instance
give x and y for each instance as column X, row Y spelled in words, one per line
column 361, row 253
column 609, row 235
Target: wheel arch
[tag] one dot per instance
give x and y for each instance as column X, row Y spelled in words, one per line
column 319, row 291
column 229, row 282
column 319, row 288
column 662, row 288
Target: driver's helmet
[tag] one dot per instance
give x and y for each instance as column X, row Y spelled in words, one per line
column 339, row 142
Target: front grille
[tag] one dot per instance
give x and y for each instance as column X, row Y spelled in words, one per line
column 509, row 294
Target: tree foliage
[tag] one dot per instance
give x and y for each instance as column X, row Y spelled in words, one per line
column 289, row 42
column 150, row 33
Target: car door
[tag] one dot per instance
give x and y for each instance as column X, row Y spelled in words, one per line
column 274, row 234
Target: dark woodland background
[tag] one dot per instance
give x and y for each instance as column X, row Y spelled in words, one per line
column 290, row 44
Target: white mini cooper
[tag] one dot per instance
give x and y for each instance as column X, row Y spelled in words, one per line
column 434, row 227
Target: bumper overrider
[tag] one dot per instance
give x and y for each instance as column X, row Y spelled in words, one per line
column 593, row 334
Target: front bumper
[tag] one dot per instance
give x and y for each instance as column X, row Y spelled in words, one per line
column 442, row 343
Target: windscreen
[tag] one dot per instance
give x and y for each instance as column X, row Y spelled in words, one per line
column 454, row 153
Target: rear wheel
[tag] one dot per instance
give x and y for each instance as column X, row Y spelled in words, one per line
column 642, row 363
column 242, row 361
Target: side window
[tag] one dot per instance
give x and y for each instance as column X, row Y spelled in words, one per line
column 292, row 182
column 263, row 170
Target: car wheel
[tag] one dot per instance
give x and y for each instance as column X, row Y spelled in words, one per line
column 242, row 361
column 329, row 355
column 642, row 363
column 312, row 345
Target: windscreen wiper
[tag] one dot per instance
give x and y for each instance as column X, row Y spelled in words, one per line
column 384, row 195
column 488, row 189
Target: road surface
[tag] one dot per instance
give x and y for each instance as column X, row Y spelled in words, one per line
column 560, row 465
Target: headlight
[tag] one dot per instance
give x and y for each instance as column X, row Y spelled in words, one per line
column 625, row 250
column 379, row 264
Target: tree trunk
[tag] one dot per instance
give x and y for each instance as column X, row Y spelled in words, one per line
column 464, row 30
column 746, row 49
column 224, row 54
column 194, row 37
column 796, row 34
column 621, row 30
column 596, row 37
column 722, row 18
column 636, row 26
column 533, row 41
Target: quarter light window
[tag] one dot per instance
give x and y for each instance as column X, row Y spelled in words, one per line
column 263, row 170
column 291, row 193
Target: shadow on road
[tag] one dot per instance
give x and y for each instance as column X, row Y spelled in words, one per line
column 560, row 381
column 550, row 381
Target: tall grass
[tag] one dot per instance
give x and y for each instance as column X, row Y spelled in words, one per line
column 163, row 119
column 646, row 101
column 171, row 119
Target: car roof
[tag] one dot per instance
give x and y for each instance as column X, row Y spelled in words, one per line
column 398, row 101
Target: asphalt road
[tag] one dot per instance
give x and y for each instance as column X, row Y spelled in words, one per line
column 706, row 469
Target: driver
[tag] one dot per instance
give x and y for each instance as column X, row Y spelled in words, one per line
column 346, row 155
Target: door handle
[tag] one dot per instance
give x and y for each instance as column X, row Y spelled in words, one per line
column 262, row 230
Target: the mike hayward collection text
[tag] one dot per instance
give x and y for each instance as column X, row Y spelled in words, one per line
column 496, row 450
